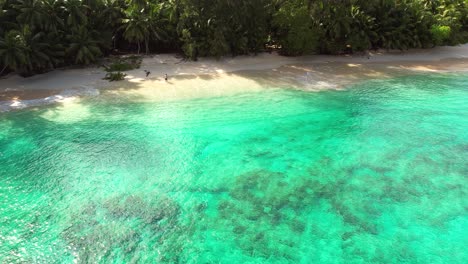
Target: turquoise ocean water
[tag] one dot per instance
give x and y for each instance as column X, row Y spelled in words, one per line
column 376, row 173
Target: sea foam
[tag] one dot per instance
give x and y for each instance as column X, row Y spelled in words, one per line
column 64, row 96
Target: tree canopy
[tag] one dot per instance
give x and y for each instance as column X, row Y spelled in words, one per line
column 39, row 35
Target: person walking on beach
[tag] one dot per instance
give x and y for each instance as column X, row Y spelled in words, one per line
column 165, row 77
column 147, row 73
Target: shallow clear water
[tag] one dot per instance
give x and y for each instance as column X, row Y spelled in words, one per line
column 374, row 174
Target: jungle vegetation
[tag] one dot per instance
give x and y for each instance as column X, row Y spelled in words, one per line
column 39, row 35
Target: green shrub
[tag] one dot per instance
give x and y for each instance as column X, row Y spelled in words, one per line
column 296, row 33
column 124, row 64
column 115, row 76
column 440, row 34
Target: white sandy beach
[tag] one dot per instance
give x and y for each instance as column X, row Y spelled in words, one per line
column 211, row 77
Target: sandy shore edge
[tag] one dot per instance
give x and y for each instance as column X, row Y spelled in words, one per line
column 208, row 76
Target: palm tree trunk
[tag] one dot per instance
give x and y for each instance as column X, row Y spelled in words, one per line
column 138, row 47
column 4, row 68
column 146, row 44
column 114, row 41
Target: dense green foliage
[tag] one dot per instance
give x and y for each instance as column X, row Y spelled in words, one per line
column 116, row 67
column 39, row 35
column 124, row 64
column 115, row 76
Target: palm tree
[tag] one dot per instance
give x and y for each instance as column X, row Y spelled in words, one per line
column 31, row 13
column 84, row 46
column 53, row 9
column 75, row 10
column 112, row 13
column 8, row 18
column 111, row 16
column 43, row 52
column 136, row 27
column 157, row 22
column 13, row 51
column 143, row 25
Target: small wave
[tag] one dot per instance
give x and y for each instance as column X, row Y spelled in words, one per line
column 314, row 82
column 64, row 96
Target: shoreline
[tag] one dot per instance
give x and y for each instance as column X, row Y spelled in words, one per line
column 210, row 77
